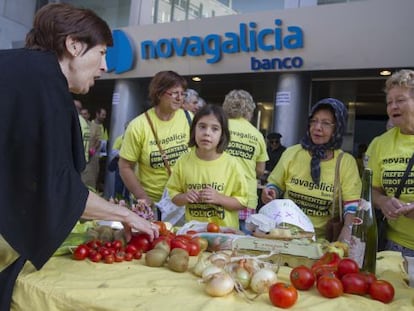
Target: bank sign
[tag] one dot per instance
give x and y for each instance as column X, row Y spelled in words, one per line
column 214, row 47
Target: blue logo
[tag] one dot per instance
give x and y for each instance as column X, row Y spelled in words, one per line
column 120, row 57
column 248, row 39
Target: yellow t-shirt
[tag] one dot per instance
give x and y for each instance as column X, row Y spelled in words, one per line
column 247, row 144
column 388, row 156
column 118, row 142
column 139, row 146
column 292, row 175
column 223, row 174
column 86, row 131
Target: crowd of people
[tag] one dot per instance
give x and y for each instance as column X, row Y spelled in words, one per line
column 208, row 157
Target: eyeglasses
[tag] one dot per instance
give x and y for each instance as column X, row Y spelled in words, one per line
column 324, row 124
column 175, row 94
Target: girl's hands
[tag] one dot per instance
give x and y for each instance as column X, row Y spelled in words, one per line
column 192, row 196
column 209, row 195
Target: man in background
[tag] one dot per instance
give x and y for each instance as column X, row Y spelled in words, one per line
column 274, row 150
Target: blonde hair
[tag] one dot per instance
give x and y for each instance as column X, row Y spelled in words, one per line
column 239, row 103
column 401, row 78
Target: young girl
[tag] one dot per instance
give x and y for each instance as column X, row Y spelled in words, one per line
column 206, row 180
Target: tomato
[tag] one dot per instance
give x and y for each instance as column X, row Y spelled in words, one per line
column 138, row 254
column 104, row 251
column 119, row 256
column 355, row 283
column 94, row 244
column 179, row 243
column 369, row 277
column 95, row 256
column 203, row 243
column 193, row 248
column 325, row 270
column 128, row 257
column 191, row 232
column 81, row 252
column 302, row 278
column 131, row 249
column 212, row 227
column 141, row 241
column 382, row 290
column 162, row 227
column 347, row 265
column 109, row 258
column 283, row 295
column 328, row 260
column 330, row 286
column 116, row 244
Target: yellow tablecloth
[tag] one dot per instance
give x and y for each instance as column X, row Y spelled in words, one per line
column 66, row 284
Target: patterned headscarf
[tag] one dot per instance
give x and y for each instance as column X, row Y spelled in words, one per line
column 319, row 151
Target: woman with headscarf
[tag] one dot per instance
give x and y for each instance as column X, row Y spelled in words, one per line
column 311, row 186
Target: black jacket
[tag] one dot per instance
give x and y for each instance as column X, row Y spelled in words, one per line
column 41, row 156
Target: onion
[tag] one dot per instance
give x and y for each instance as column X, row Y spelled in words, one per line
column 201, row 265
column 239, row 273
column 210, row 270
column 219, row 284
column 219, row 259
column 262, row 280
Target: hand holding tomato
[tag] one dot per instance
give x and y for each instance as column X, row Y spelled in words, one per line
column 283, row 295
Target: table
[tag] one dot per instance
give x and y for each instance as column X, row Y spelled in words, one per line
column 66, row 284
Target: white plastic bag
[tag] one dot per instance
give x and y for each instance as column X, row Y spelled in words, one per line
column 170, row 212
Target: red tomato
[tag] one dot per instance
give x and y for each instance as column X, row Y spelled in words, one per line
column 347, row 265
column 161, row 238
column 131, row 249
column 325, row 270
column 191, row 232
column 330, row 286
column 104, row 251
column 116, row 244
column 179, row 243
column 94, row 244
column 138, row 254
column 283, row 295
column 369, row 277
column 355, row 283
column 119, row 256
column 302, row 278
column 193, row 248
column 128, row 257
column 95, row 256
column 212, row 227
column 109, row 258
column 141, row 241
column 81, row 252
column 382, row 290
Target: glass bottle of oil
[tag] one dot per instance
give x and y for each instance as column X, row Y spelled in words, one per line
column 363, row 244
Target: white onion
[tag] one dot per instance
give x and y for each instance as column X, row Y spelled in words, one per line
column 201, row 265
column 262, row 280
column 219, row 284
column 210, row 270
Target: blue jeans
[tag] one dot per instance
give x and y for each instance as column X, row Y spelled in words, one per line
column 242, row 226
column 392, row 246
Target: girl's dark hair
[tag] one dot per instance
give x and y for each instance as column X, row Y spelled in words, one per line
column 55, row 21
column 219, row 113
column 163, row 81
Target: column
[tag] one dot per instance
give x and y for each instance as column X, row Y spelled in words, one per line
column 128, row 101
column 291, row 106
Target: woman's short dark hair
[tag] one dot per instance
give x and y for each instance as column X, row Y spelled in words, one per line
column 55, row 21
column 163, row 81
column 221, row 116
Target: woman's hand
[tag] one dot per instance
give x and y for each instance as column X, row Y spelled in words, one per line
column 268, row 194
column 392, row 208
column 133, row 222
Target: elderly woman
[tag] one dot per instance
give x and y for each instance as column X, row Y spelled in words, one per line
column 191, row 101
column 388, row 156
column 306, row 172
column 172, row 127
column 247, row 144
column 42, row 195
